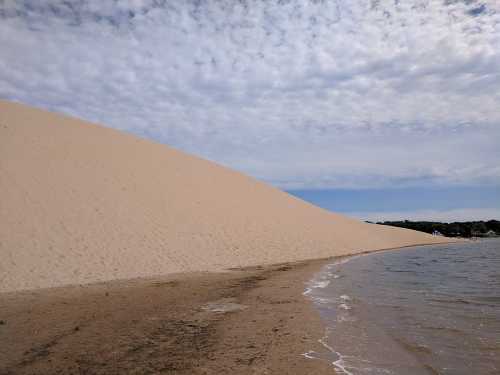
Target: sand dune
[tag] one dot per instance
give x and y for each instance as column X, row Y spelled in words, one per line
column 82, row 203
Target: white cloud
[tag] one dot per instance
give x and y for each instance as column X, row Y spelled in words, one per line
column 301, row 94
column 461, row 214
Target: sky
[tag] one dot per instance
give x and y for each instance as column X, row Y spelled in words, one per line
column 338, row 102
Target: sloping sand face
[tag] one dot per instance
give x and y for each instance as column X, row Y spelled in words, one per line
column 81, row 203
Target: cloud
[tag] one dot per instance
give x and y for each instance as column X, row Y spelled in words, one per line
column 302, row 94
column 464, row 214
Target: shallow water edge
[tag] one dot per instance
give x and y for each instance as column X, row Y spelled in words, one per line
column 433, row 308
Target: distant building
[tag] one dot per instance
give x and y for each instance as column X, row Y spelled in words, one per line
column 491, row 233
column 436, row 233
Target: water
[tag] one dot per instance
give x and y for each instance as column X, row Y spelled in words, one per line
column 422, row 310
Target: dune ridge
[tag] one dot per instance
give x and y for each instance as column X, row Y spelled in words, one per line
column 82, row 203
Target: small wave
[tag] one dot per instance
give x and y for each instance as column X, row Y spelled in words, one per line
column 345, row 306
column 307, row 291
column 414, row 347
column 489, row 298
column 451, row 330
column 341, row 318
column 339, row 363
column 323, row 279
column 322, row 300
column 315, row 284
column 459, row 301
column 322, row 284
column 309, row 354
column 418, row 308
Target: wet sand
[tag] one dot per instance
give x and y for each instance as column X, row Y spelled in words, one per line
column 250, row 321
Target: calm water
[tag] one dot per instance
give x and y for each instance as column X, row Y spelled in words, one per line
column 422, row 310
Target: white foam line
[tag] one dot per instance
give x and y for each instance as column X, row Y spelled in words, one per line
column 339, row 363
column 316, row 281
column 308, row 354
column 314, row 284
column 345, row 306
column 322, row 284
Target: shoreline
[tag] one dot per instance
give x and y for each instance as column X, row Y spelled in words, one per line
column 251, row 321
column 420, row 306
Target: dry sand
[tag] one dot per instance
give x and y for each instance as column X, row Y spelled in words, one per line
column 82, row 203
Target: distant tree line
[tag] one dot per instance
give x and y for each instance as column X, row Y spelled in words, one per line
column 456, row 229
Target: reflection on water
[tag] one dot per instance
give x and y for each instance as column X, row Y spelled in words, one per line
column 422, row 310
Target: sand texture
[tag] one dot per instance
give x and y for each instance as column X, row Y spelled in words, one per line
column 254, row 322
column 82, row 203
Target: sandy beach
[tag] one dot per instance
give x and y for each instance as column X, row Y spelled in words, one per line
column 171, row 325
column 249, row 187
column 121, row 255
